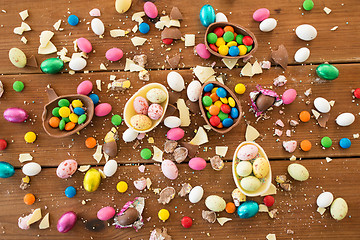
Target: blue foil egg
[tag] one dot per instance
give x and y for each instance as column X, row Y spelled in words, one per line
column 248, row 209
column 6, row 170
column 207, row 15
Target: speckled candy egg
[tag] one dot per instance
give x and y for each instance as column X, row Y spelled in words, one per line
column 106, row 213
column 169, row 169
column 248, row 209
column 289, row 96
column 247, row 152
column 325, row 199
column 215, row 203
column 155, row 111
column 141, row 106
column 298, row 172
column 261, row 167
column 66, row 168
column 250, row 183
column 140, row 122
column 193, row 91
column 175, row 134
column 156, row 95
column 339, row 209
column 244, row 168
column 197, row 163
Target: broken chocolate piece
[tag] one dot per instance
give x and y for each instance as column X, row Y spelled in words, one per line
column 323, row 119
column 193, row 106
column 1, row 89
column 286, row 186
column 140, row 184
column 141, row 60
column 273, row 213
column 280, row 179
column 136, row 144
column 217, row 163
column 192, row 149
column 280, row 56
column 186, row 188
column 171, row 109
column 180, row 154
column 263, row 99
column 174, row 61
column 293, row 123
column 173, row 33
column 128, row 217
column 157, row 234
column 110, row 148
column 209, row 216
column 175, row 14
column 173, row 97
column 169, row 146
column 131, row 214
column 166, row 195
column 31, row 62
column 263, row 102
column 144, row 75
column 119, row 85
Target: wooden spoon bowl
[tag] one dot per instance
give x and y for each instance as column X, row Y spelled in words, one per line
column 53, row 102
column 203, row 110
column 239, row 30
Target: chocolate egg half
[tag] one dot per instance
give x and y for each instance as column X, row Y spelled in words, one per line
column 263, row 102
column 128, row 217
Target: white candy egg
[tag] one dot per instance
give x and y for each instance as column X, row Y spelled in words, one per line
column 193, row 91
column 302, row 54
column 172, row 122
column 97, row 26
column 345, row 119
column 31, row 169
column 268, row 25
column 77, row 64
column 175, row 81
column 220, row 17
column 215, row 203
column 322, row 105
column 325, row 199
column 339, row 209
column 306, row 32
column 110, row 168
column 129, row 135
column 244, row 168
column 196, row 194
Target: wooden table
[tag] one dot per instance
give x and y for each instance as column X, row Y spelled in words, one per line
column 297, row 218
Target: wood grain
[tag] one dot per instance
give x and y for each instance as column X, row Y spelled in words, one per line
column 297, row 209
column 333, row 46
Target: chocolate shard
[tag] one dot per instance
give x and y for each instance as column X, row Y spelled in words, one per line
column 280, row 56
column 193, row 106
column 173, row 97
column 175, row 14
column 174, row 61
column 171, row 109
column 180, row 154
column 173, row 33
column 323, row 119
column 32, row 62
column 193, row 149
column 169, row 146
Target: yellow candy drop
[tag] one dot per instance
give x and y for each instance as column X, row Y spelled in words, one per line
column 163, row 214
column 64, row 112
column 242, row 50
column 30, row 137
column 224, row 100
column 224, row 50
column 122, row 187
column 76, row 103
column 232, row 43
column 219, row 42
column 73, row 117
column 240, row 88
column 231, row 102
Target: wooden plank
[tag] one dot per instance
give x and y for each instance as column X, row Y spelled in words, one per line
column 297, row 209
column 49, row 151
column 328, row 46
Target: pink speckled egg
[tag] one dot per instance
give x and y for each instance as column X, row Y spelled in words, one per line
column 261, row 14
column 150, row 10
column 202, row 51
column 175, row 134
column 102, row 109
column 140, row 105
column 169, row 169
column 197, row 163
column 66, row 168
column 84, row 45
column 247, row 152
column 289, row 96
column 85, row 87
column 155, row 111
column 114, row 54
column 106, row 213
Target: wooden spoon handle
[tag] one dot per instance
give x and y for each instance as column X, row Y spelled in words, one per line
column 51, row 94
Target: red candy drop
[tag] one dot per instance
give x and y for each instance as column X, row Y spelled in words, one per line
column 248, row 41
column 168, row 41
column 219, row 31
column 215, row 121
column 225, row 108
column 3, row 144
column 213, row 47
column 357, row 93
column 269, row 201
column 186, row 222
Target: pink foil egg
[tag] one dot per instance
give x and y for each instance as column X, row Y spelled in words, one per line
column 202, row 51
column 169, row 169
column 106, row 213
column 66, row 222
column 84, row 45
column 289, row 96
column 155, row 111
column 15, row 115
column 261, row 14
column 85, row 87
column 197, row 163
column 150, row 10
column 102, row 109
column 247, row 152
column 66, row 168
column 114, row 54
column 175, row 134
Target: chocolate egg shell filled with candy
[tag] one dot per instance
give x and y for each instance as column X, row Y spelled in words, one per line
column 263, row 99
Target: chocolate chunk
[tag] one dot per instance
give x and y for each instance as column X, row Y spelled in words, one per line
column 32, row 62
column 141, row 60
column 173, row 97
column 180, row 154
column 323, row 119
column 286, row 186
column 175, row 14
column 95, row 225
column 110, row 148
column 186, row 188
column 166, row 195
column 217, row 163
column 128, row 217
column 263, row 102
column 192, row 149
column 174, row 61
column 136, row 144
column 209, row 216
column 280, row 56
column 193, row 106
column 171, row 109
column 169, row 146
column 173, row 33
